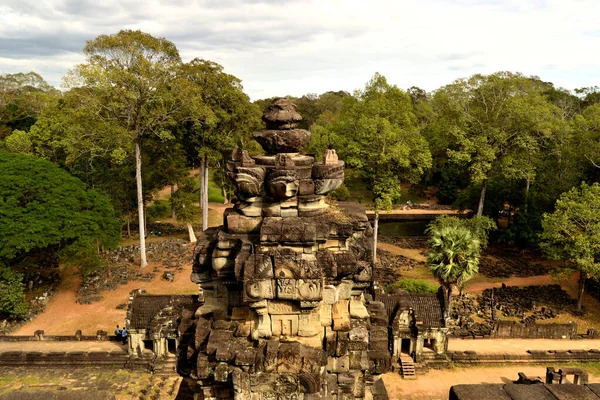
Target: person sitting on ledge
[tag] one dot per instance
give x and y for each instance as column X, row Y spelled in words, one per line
column 124, row 335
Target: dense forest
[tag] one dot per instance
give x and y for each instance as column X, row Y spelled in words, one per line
column 134, row 118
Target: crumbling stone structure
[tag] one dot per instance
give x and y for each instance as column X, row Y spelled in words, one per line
column 285, row 286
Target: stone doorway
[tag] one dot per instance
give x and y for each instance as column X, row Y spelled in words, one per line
column 405, row 346
column 172, row 346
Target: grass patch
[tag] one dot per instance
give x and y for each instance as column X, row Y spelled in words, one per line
column 413, row 286
column 215, row 194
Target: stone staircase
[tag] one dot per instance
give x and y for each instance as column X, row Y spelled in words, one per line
column 407, row 367
column 167, row 366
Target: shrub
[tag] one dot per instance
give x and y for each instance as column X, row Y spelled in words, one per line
column 12, row 299
column 158, row 210
column 340, row 194
column 413, row 286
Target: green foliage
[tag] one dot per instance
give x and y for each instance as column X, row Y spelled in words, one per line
column 12, row 298
column 157, row 210
column 572, row 231
column 22, row 98
column 479, row 227
column 182, row 201
column 454, row 257
column 18, row 142
column 526, row 228
column 341, row 193
column 496, row 124
column 376, row 133
column 413, row 286
column 43, row 206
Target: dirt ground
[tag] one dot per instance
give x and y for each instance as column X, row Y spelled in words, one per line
column 436, row 384
column 64, row 316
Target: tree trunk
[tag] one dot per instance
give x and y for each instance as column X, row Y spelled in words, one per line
column 140, row 198
column 191, row 233
column 201, row 201
column 482, row 198
column 128, row 226
column 172, row 208
column 225, row 199
column 448, row 300
column 375, row 229
column 581, row 288
column 205, row 205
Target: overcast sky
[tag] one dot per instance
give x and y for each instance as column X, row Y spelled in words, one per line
column 294, row 47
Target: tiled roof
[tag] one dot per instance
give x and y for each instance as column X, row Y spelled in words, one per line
column 427, row 307
column 145, row 307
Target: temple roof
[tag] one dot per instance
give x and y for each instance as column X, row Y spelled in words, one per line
column 145, row 307
column 427, row 308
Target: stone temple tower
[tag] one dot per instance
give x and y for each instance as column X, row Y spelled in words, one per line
column 285, row 284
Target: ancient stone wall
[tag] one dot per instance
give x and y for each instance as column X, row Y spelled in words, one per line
column 512, row 329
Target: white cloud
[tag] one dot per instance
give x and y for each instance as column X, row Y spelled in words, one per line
column 296, row 47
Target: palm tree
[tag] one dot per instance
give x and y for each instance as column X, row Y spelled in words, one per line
column 454, row 258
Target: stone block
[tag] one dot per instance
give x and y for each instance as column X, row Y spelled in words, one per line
column 330, row 342
column 309, row 324
column 221, row 372
column 344, row 290
column 289, row 212
column 306, row 187
column 343, row 340
column 278, row 307
column 338, row 365
column 286, row 325
column 325, row 312
column 330, row 294
column 359, row 360
column 357, row 308
column 341, row 316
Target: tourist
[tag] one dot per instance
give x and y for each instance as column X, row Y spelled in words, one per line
column 118, row 333
column 124, row 335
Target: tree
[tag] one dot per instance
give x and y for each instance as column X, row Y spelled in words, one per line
column 377, row 134
column 497, row 124
column 478, row 226
column 131, row 80
column 42, row 206
column 232, row 118
column 572, row 232
column 453, row 259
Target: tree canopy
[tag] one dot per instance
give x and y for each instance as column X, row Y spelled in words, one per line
column 572, row 232
column 42, row 206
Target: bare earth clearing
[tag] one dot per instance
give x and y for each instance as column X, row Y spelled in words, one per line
column 436, row 383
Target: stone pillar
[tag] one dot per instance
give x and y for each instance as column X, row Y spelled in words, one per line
column 419, row 343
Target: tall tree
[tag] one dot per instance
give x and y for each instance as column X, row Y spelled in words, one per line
column 377, row 134
column 497, row 124
column 131, row 80
column 233, row 117
column 572, row 232
column 453, row 259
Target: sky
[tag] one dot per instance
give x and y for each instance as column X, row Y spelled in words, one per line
column 295, row 47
